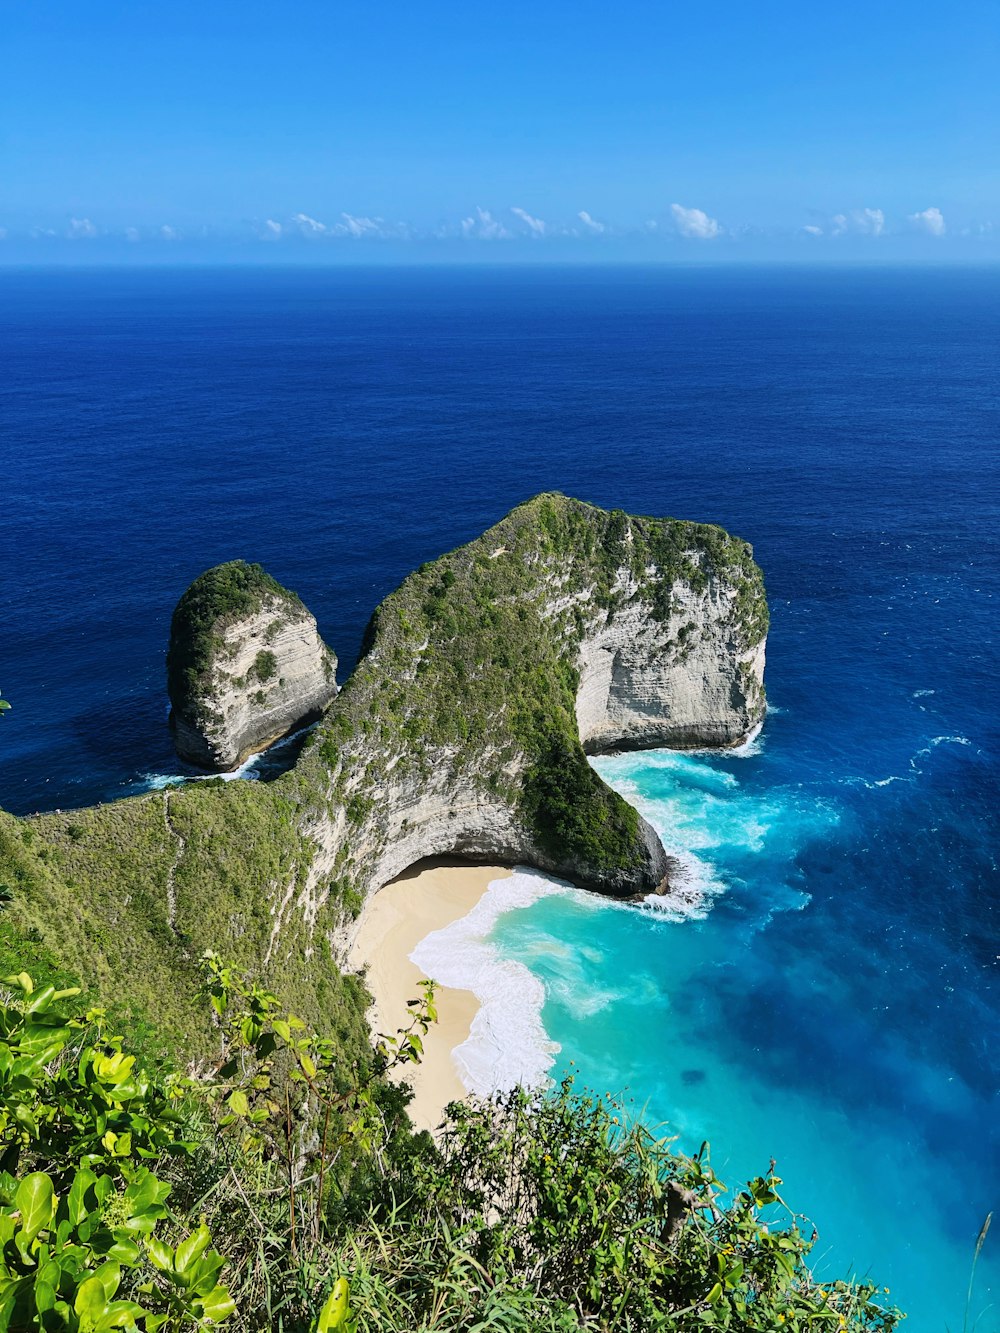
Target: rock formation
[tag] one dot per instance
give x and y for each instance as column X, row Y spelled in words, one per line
column 245, row 666
column 691, row 680
column 463, row 730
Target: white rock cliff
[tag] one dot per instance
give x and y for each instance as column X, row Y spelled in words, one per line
column 264, row 671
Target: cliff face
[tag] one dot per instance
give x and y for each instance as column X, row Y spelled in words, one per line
column 246, row 665
column 692, row 680
column 462, row 731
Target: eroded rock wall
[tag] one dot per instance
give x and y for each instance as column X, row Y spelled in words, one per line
column 687, row 681
column 247, row 666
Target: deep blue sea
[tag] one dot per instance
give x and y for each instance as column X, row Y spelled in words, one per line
column 837, row 1004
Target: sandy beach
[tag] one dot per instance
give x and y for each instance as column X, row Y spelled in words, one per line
column 424, row 899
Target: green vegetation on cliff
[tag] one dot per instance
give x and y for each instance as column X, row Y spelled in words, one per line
column 218, row 597
column 475, row 653
column 129, row 895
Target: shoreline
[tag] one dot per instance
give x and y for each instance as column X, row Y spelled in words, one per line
column 395, row 920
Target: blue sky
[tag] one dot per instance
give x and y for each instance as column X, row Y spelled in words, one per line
column 315, row 131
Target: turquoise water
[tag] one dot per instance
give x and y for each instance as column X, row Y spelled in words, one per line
column 763, row 1026
column 838, row 1005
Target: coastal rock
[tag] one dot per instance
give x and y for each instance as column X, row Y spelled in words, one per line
column 245, row 666
column 691, row 679
column 483, row 677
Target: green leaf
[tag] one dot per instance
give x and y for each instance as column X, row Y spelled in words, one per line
column 266, row 1045
column 121, row 1314
column 125, row 1251
column 91, row 1301
column 109, row 1275
column 161, row 1254
column 36, row 1201
column 40, row 1001
column 336, row 1309
column 145, row 1191
column 238, row 1103
column 218, row 1305
column 45, row 1296
column 25, row 1119
column 76, row 1203
column 190, row 1251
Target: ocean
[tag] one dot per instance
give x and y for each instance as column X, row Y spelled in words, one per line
column 835, row 1002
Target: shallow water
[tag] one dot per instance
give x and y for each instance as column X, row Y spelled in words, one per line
column 837, row 1006
column 829, row 1006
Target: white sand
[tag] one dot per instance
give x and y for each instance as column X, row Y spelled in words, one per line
column 424, row 899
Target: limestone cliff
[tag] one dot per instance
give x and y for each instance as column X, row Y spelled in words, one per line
column 245, row 666
column 462, row 730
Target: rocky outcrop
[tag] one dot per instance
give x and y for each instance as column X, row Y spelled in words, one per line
column 485, row 674
column 245, row 666
column 690, row 680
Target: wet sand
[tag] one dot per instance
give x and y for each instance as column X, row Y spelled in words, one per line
column 425, row 898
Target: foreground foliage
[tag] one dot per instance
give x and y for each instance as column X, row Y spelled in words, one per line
column 277, row 1188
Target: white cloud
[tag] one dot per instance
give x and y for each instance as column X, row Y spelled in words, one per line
column 3, row 233
column 353, row 226
column 694, row 223
column 862, row 221
column 598, row 228
column 535, row 225
column 931, row 220
column 168, row 233
column 272, row 228
column 978, row 229
column 81, row 229
column 132, row 234
column 870, row 220
column 349, row 225
column 484, row 227
column 813, row 231
column 307, row 225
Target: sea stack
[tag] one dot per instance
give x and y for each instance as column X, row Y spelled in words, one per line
column 246, row 666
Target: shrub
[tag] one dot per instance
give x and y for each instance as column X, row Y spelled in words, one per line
column 553, row 1212
column 265, row 665
column 547, row 1212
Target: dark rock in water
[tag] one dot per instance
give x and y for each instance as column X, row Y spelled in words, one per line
column 690, row 1077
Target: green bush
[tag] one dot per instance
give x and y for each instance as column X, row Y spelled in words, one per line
column 265, row 665
column 549, row 1212
column 87, row 1241
column 554, row 1213
column 574, row 812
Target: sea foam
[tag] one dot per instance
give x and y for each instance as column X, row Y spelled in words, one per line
column 507, row 1044
column 251, row 770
